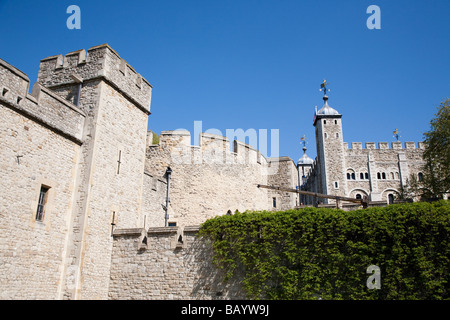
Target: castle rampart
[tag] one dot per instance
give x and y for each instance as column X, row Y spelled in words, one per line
column 42, row 105
column 409, row 145
column 100, row 62
column 158, row 264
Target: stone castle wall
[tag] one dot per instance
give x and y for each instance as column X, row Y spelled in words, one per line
column 87, row 119
column 210, row 179
column 153, row 264
column 384, row 168
column 39, row 146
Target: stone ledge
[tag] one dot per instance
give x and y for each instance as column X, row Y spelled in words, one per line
column 156, row 230
column 128, row 232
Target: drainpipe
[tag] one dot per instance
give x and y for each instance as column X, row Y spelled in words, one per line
column 168, row 173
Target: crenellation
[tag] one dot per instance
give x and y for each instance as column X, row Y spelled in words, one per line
column 98, row 62
column 397, row 145
column 410, row 145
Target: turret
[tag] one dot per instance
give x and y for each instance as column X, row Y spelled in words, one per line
column 330, row 149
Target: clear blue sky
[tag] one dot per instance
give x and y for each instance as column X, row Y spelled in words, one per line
column 258, row 64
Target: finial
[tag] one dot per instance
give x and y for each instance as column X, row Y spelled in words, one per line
column 396, row 134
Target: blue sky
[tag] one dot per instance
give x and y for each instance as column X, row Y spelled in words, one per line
column 258, row 64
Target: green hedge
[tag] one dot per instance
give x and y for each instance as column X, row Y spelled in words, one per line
column 324, row 253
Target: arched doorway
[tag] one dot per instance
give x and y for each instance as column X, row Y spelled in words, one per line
column 390, row 198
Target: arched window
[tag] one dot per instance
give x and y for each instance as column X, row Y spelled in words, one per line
column 358, row 196
column 337, row 135
column 378, row 175
column 392, row 175
column 396, row 176
column 361, row 175
column 326, row 135
column 420, row 176
column 383, row 175
column 366, row 175
column 350, row 174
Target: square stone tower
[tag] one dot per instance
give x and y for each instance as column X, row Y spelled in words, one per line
column 109, row 180
column 330, row 151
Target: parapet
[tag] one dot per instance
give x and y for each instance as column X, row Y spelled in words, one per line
column 100, row 62
column 397, row 145
column 42, row 105
column 212, row 148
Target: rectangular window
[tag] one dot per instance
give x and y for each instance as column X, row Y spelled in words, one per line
column 43, row 195
column 336, row 184
column 274, row 202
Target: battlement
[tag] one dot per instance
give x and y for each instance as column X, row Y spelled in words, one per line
column 100, row 62
column 42, row 105
column 212, row 148
column 384, row 146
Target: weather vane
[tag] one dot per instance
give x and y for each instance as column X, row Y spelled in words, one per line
column 396, row 133
column 303, row 141
column 323, row 87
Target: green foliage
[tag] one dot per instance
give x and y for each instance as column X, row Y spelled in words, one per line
column 437, row 154
column 312, row 253
column 155, row 139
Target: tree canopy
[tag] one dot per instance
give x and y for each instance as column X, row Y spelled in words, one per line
column 436, row 180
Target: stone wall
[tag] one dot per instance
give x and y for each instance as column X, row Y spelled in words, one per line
column 209, row 179
column 286, row 176
column 387, row 167
column 87, row 116
column 32, row 252
column 154, row 264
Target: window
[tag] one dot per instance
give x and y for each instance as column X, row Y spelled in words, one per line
column 361, row 176
column 358, row 196
column 326, row 135
column 172, row 224
column 43, row 195
column 383, row 175
column 378, row 175
column 392, row 175
column 324, row 121
column 366, row 175
column 274, row 202
column 336, row 184
column 348, row 176
column 337, row 135
column 335, row 121
column 420, row 176
column 353, row 176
